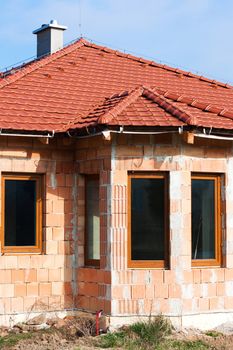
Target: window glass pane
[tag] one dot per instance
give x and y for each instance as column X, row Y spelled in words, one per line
column 203, row 219
column 20, row 212
column 147, row 219
column 92, row 219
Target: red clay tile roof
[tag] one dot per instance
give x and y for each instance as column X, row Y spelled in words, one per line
column 69, row 88
column 140, row 106
column 145, row 107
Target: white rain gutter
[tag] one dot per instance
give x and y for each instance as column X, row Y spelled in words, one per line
column 28, row 135
column 106, row 133
column 215, row 137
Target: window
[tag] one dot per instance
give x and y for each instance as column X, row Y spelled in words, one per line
column 21, row 213
column 148, row 220
column 206, row 220
column 92, row 229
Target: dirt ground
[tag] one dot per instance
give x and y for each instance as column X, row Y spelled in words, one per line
column 75, row 333
column 55, row 340
column 215, row 340
column 68, row 333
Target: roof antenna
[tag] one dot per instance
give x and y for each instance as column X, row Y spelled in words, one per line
column 80, row 19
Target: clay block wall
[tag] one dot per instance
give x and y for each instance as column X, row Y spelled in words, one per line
column 180, row 289
column 93, row 156
column 47, row 281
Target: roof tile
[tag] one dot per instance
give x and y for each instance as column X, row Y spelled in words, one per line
column 71, row 86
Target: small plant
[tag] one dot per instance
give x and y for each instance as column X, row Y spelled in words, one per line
column 85, row 327
column 213, row 334
column 113, row 340
column 140, row 335
column 13, row 339
column 153, row 331
column 189, row 345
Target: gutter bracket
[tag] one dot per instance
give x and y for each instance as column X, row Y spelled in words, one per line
column 188, row 137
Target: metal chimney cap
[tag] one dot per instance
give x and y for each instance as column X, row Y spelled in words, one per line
column 53, row 24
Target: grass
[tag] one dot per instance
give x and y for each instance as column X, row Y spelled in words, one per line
column 112, row 340
column 152, row 332
column 187, row 345
column 152, row 335
column 140, row 335
column 213, row 334
column 156, row 334
column 13, row 339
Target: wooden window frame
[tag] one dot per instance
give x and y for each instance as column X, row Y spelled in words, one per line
column 218, row 208
column 157, row 264
column 37, row 248
column 87, row 261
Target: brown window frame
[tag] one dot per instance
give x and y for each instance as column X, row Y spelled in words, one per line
column 218, row 206
column 87, row 261
column 150, row 263
column 37, row 248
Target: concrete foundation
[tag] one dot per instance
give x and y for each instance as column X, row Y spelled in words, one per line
column 204, row 321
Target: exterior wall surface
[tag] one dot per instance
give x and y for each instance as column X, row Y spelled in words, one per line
column 58, row 279
column 42, row 282
column 93, row 156
column 180, row 289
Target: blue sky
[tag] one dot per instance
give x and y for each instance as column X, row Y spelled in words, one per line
column 195, row 35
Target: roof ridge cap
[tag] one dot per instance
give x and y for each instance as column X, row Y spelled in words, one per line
column 41, row 62
column 203, row 106
column 121, row 105
column 159, row 65
column 170, row 107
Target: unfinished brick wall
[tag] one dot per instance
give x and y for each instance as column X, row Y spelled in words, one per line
column 180, row 289
column 58, row 279
column 31, row 282
column 93, row 156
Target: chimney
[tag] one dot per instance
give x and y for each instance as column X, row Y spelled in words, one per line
column 49, row 38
